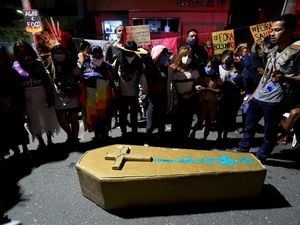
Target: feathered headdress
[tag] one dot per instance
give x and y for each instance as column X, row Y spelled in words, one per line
column 52, row 36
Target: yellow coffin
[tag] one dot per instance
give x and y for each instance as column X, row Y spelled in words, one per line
column 120, row 176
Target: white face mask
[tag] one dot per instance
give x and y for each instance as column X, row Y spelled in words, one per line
column 130, row 59
column 59, row 57
column 186, row 60
column 97, row 62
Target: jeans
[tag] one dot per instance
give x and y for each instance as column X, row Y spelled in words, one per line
column 126, row 102
column 271, row 112
column 156, row 113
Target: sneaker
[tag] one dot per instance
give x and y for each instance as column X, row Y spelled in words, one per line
column 260, row 158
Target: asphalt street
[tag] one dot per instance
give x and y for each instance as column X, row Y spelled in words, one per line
column 42, row 188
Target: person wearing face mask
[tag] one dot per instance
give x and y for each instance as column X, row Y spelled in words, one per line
column 230, row 100
column 182, row 80
column 39, row 97
column 98, row 94
column 65, row 75
column 208, row 92
column 199, row 55
column 157, row 81
column 129, row 71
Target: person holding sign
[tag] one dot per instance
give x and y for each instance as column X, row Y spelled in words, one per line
column 282, row 69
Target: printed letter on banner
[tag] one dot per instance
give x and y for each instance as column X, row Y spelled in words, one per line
column 223, row 40
column 260, row 31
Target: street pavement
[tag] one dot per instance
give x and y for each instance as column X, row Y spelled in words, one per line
column 42, row 188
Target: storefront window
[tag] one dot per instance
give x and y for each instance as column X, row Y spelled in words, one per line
column 158, row 25
column 109, row 27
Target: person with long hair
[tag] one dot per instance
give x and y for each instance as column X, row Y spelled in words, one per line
column 183, row 80
column 39, row 98
column 65, row 75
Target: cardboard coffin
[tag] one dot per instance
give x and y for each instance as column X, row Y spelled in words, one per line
column 120, row 176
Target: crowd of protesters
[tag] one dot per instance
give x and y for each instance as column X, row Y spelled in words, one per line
column 262, row 80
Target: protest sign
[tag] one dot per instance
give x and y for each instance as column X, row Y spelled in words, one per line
column 260, row 31
column 139, row 34
column 33, row 21
column 223, row 40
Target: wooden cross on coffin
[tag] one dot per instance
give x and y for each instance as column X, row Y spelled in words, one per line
column 123, row 156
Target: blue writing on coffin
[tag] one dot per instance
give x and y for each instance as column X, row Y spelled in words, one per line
column 217, row 161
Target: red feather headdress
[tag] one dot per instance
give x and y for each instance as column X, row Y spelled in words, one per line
column 52, row 35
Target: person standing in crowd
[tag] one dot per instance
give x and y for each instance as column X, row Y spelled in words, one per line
column 65, row 75
column 283, row 68
column 113, row 51
column 208, row 93
column 157, row 81
column 98, row 95
column 209, row 50
column 12, row 130
column 129, row 70
column 39, row 98
column 84, row 51
column 183, row 78
column 231, row 95
column 199, row 55
column 253, row 64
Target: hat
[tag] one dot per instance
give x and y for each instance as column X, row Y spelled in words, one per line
column 131, row 46
column 156, row 51
column 96, row 49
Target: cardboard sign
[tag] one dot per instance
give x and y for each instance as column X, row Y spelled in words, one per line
column 260, row 31
column 223, row 40
column 33, row 21
column 139, row 34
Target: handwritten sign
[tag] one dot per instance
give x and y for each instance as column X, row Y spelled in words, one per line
column 33, row 21
column 223, row 40
column 139, row 34
column 260, row 31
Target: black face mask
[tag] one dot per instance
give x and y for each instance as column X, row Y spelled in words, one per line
column 228, row 62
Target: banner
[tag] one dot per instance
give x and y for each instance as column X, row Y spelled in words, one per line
column 139, row 34
column 32, row 20
column 260, row 31
column 102, row 43
column 170, row 43
column 223, row 40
